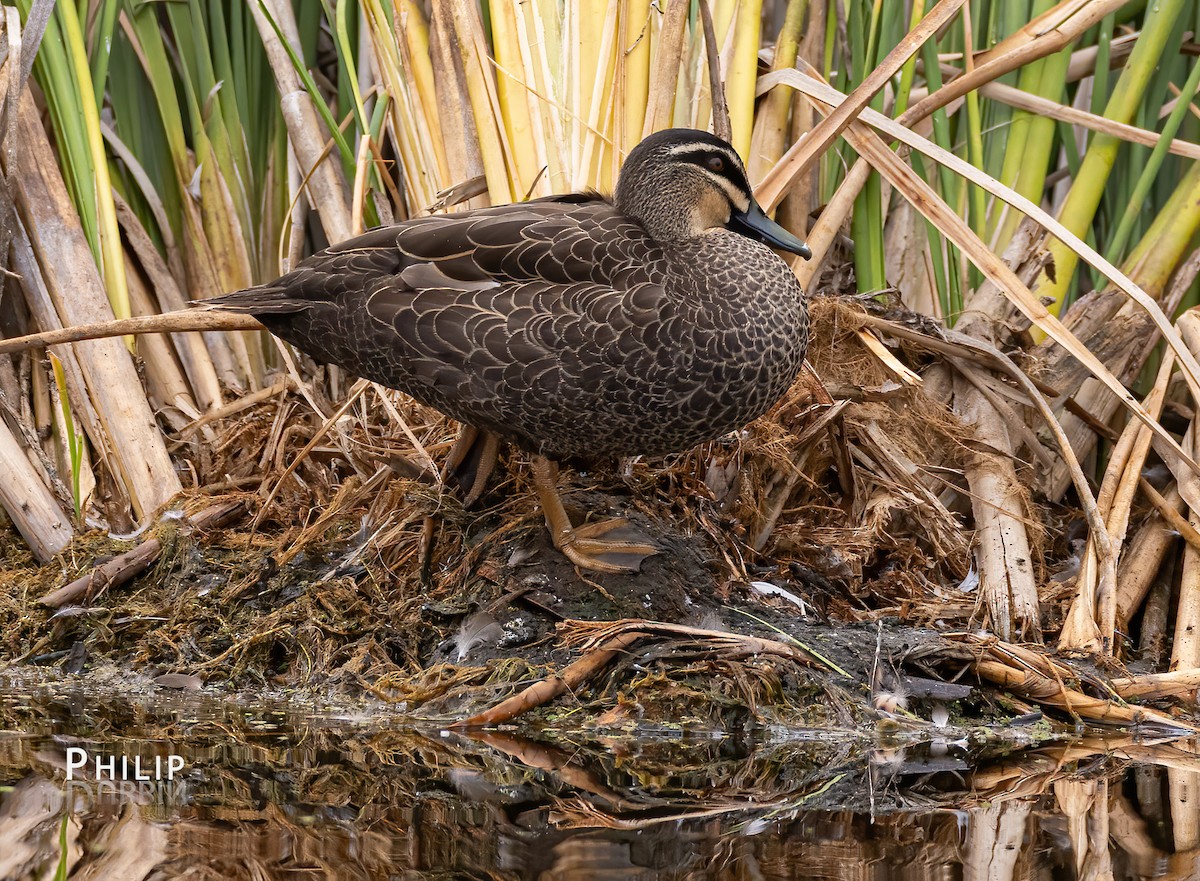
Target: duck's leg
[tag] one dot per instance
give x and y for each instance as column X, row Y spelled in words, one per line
column 471, row 462
column 584, row 545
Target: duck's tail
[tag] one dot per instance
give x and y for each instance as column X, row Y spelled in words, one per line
column 262, row 300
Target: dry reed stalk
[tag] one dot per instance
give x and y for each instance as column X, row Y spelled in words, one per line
column 30, row 504
column 771, row 126
column 635, row 72
column 1042, row 679
column 1045, row 35
column 1049, row 692
column 1167, row 509
column 1142, row 561
column 132, row 563
column 464, row 31
column 44, row 314
column 593, row 168
column 464, row 160
column 1014, row 97
column 1156, row 686
column 167, row 387
column 402, row 48
column 1183, row 795
column 1185, row 650
column 800, row 200
column 130, row 435
column 602, row 642
column 169, row 322
column 1092, row 609
column 329, row 194
column 521, row 119
column 1058, row 28
column 197, row 362
column 743, row 71
column 541, row 693
column 721, row 125
column 1113, row 328
column 664, row 76
column 999, row 503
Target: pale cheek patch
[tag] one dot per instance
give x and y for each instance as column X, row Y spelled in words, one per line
column 711, row 211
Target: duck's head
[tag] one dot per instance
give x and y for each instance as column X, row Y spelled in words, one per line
column 682, row 183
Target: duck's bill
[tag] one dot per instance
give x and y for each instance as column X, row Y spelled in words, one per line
column 754, row 224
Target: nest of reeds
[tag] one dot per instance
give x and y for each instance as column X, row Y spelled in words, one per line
column 361, row 575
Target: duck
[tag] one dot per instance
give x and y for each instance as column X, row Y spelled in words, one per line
column 577, row 327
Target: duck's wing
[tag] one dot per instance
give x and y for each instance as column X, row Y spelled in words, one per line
column 508, row 318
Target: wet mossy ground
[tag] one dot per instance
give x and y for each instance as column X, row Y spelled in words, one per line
column 220, row 609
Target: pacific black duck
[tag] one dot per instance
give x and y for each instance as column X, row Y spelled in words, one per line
column 576, row 327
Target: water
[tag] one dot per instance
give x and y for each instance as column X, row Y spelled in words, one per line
column 288, row 792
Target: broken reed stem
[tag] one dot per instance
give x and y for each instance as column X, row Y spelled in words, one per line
column 604, row 641
column 1185, row 650
column 1041, row 678
column 541, row 693
column 126, row 566
column 1096, row 604
column 1154, row 686
column 1143, row 560
column 1168, row 510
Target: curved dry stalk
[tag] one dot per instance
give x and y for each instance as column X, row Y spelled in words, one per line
column 1029, row 305
column 927, row 201
column 168, row 322
column 1041, row 678
column 804, row 152
column 603, row 642
column 1014, row 97
column 541, row 693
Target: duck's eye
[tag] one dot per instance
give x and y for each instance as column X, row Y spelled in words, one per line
column 716, row 163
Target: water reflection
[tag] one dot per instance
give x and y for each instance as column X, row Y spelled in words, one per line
column 282, row 794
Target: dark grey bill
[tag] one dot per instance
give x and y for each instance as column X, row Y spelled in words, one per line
column 754, row 224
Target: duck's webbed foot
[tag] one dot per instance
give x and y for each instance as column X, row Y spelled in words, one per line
column 610, row 546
